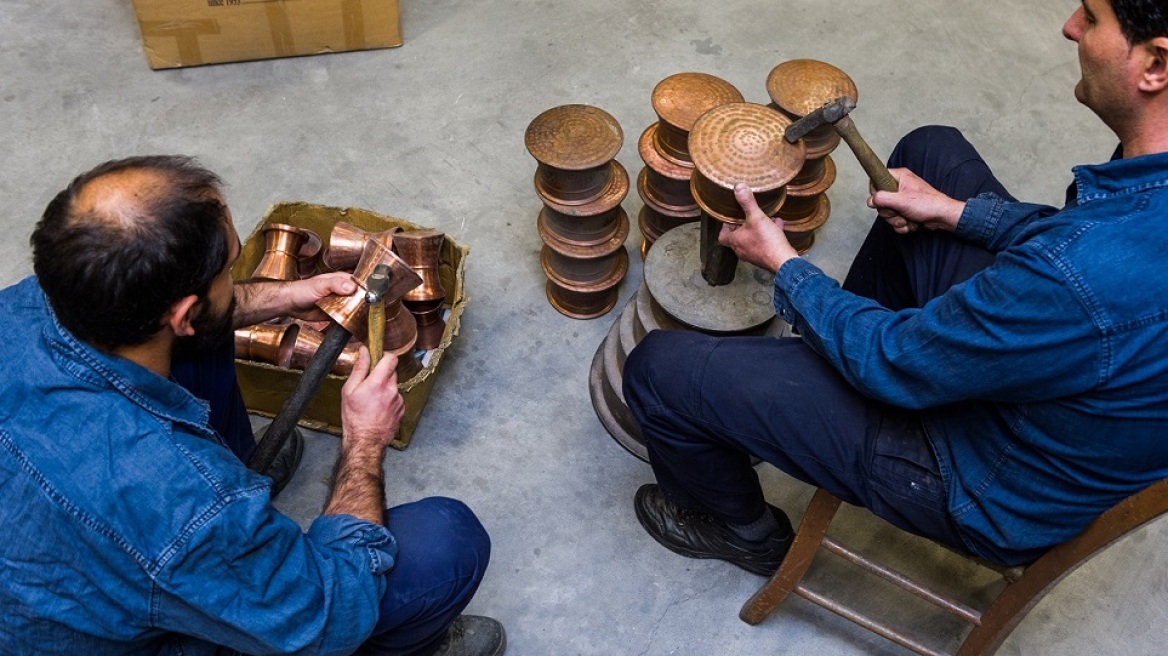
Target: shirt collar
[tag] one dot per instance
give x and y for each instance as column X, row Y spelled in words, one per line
column 1121, row 176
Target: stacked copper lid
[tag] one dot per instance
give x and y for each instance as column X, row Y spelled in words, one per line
column 664, row 183
column 582, row 224
column 797, row 88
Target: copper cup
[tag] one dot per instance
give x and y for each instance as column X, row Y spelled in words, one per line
column 265, row 342
column 308, row 341
column 282, row 242
column 352, row 311
column 421, row 250
column 347, row 243
column 308, row 258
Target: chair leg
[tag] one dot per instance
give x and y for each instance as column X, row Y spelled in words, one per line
column 816, row 519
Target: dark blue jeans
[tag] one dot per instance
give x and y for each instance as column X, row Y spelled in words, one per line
column 443, row 549
column 707, row 404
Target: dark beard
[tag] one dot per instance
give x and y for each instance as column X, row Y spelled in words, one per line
column 211, row 332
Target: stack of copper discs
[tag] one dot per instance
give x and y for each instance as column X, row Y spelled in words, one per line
column 797, row 88
column 663, row 184
column 582, row 225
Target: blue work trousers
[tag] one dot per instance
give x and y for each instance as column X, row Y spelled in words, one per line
column 443, row 549
column 707, row 404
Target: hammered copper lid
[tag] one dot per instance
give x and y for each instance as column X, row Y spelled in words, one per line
column 801, row 86
column 574, row 137
column 743, row 142
column 681, row 99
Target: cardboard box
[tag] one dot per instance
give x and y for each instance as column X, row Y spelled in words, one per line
column 179, row 33
column 265, row 386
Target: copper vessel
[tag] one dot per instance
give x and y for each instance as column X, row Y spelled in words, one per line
column 265, row 342
column 421, row 250
column 615, row 188
column 678, row 101
column 308, row 341
column 653, row 223
column 573, row 138
column 401, row 329
column 741, row 142
column 347, row 242
column 576, row 250
column 799, row 87
column 431, row 327
column 352, row 311
column 308, row 257
column 583, row 289
column 282, row 242
column 580, row 231
column 407, row 365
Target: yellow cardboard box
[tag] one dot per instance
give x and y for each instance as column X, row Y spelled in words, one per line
column 179, row 33
column 265, row 386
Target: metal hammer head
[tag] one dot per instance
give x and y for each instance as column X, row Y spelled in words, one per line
column 830, row 112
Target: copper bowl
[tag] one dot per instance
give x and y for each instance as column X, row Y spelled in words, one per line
column 801, row 86
column 720, row 203
column 667, row 194
column 347, row 242
column 265, row 342
column 613, row 192
column 421, row 250
column 584, row 299
column 282, row 242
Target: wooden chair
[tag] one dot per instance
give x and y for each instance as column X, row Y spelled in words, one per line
column 1024, row 588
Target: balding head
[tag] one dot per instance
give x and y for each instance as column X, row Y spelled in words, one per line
column 126, row 240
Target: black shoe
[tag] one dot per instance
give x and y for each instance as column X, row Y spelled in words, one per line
column 474, row 635
column 697, row 535
column 286, row 461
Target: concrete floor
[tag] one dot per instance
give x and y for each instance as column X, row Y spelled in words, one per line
column 433, row 132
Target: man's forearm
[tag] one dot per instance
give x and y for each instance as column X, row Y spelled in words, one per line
column 257, row 302
column 359, row 484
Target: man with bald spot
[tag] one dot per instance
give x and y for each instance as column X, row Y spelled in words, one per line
column 131, row 523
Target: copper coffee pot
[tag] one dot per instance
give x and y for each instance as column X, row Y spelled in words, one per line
column 308, row 341
column 308, row 258
column 421, row 250
column 282, row 244
column 346, row 243
column 265, row 342
column 352, row 311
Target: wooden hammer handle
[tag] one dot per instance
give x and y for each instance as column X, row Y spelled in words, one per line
column 376, row 332
column 872, row 164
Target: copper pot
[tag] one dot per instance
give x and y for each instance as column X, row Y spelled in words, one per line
column 265, row 342
column 431, row 327
column 422, row 250
column 282, row 242
column 352, row 311
column 308, row 341
column 679, row 100
column 347, row 242
column 401, row 328
column 572, row 187
column 801, row 86
column 407, row 365
column 580, row 230
column 308, row 258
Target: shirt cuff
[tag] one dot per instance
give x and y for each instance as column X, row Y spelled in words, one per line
column 357, row 534
column 979, row 219
column 788, row 279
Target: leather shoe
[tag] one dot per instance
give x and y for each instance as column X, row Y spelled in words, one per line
column 474, row 635
column 696, row 534
column 286, row 462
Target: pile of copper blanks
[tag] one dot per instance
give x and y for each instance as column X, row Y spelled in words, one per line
column 582, row 225
column 414, row 323
column 797, row 88
column 664, row 183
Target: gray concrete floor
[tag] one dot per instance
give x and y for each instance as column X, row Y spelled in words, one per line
column 433, row 132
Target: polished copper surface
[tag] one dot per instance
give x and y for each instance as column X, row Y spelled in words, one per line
column 572, row 187
column 801, row 86
column 282, row 242
column 347, row 360
column 352, row 311
column 813, row 182
column 584, row 272
column 679, row 100
column 430, row 328
column 308, row 257
column 743, row 142
column 401, row 329
column 586, row 251
column 647, row 147
column 667, row 195
column 573, row 137
column 610, row 196
column 580, row 230
column 421, row 250
column 720, row 203
column 265, row 342
column 347, row 242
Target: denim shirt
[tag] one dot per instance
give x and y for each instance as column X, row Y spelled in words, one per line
column 129, row 528
column 1043, row 379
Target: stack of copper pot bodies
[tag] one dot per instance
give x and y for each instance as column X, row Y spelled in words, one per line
column 422, row 251
column 797, row 88
column 664, row 183
column 582, row 225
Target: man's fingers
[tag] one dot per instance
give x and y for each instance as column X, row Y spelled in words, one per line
column 385, row 368
column 746, row 200
column 340, row 284
column 360, row 370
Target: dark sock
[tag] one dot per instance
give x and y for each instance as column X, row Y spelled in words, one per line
column 759, row 529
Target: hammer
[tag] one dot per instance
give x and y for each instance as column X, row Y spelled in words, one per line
column 835, row 113
column 378, row 285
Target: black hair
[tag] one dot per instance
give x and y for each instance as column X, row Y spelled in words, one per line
column 1141, row 20
column 112, row 273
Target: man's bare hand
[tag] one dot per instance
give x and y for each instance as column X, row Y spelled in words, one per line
column 259, row 301
column 916, row 205
column 760, row 240
column 303, row 294
column 371, row 406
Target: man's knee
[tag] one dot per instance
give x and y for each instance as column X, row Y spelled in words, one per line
column 657, row 364
column 445, row 532
column 914, row 149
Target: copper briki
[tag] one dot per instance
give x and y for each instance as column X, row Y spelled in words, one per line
column 407, row 365
column 352, row 311
column 308, row 257
column 282, row 242
column 742, row 142
column 431, row 327
column 347, row 242
column 401, row 328
column 421, row 250
column 800, row 86
column 309, row 339
column 679, row 100
column 265, row 342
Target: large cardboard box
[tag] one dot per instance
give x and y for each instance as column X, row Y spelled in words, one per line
column 265, row 386
column 193, row 32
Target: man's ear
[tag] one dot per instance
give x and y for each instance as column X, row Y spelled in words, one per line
column 180, row 316
column 1155, row 73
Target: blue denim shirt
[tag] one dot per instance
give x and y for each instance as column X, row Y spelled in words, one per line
column 1043, row 379
column 128, row 528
